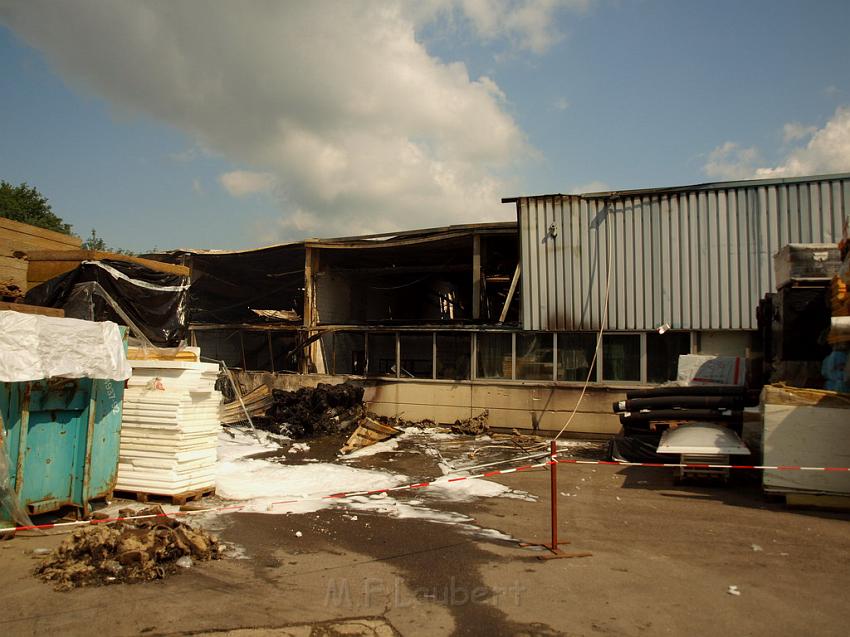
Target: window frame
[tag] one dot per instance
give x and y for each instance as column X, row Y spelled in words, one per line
column 474, row 377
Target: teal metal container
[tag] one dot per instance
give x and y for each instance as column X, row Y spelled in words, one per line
column 62, row 437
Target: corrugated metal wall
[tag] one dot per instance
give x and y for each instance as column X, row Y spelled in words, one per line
column 698, row 258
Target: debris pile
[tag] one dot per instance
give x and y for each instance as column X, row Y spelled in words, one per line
column 327, row 409
column 474, row 426
column 129, row 552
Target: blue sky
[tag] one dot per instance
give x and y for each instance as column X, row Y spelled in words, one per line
column 216, row 127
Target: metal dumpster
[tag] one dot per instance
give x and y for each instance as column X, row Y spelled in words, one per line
column 62, row 438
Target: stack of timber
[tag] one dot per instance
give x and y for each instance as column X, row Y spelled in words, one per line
column 169, row 430
column 257, row 403
column 17, row 239
column 658, row 408
column 191, row 354
column 47, row 264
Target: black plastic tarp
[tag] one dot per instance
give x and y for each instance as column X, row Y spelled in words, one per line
column 150, row 302
column 225, row 286
column 638, row 448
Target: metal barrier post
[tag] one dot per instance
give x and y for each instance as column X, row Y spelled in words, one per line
column 554, row 552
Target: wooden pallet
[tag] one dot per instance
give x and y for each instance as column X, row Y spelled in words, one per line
column 175, row 499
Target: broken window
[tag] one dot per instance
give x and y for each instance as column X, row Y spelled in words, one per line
column 662, row 354
column 417, row 355
column 381, row 351
column 575, row 353
column 495, row 355
column 534, row 356
column 349, row 353
column 621, row 357
column 453, row 356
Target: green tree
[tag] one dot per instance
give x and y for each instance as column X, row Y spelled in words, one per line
column 95, row 242
column 26, row 204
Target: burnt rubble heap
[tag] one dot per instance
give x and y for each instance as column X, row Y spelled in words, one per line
column 327, row 409
column 132, row 551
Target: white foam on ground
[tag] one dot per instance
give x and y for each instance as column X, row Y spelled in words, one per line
column 266, row 485
column 405, row 510
column 271, row 487
column 466, row 490
column 242, row 443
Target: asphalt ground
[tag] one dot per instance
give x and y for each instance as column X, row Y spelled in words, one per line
column 664, row 558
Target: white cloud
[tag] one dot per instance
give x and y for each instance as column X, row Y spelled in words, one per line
column 827, row 151
column 197, row 187
column 240, row 183
column 795, row 131
column 340, row 102
column 731, row 161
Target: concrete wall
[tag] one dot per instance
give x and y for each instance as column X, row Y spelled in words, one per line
column 511, row 405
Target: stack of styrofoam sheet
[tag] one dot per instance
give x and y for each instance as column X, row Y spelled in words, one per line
column 169, row 428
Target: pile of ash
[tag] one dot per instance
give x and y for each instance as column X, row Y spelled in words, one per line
column 327, row 409
column 131, row 551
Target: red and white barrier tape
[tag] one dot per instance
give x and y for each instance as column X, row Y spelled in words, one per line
column 489, row 474
column 756, row 467
column 421, row 485
column 59, row 525
column 430, row 483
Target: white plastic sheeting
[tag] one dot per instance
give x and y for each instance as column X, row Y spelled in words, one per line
column 702, row 438
column 33, row 347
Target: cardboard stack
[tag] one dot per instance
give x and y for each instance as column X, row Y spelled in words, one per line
column 172, row 415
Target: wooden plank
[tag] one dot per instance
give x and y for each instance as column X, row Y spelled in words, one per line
column 510, row 296
column 476, row 276
column 13, row 271
column 368, row 432
column 98, row 255
column 48, row 238
column 173, row 498
column 32, row 309
column 41, row 271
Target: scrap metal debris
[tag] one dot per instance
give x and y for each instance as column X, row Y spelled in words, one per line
column 129, row 552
